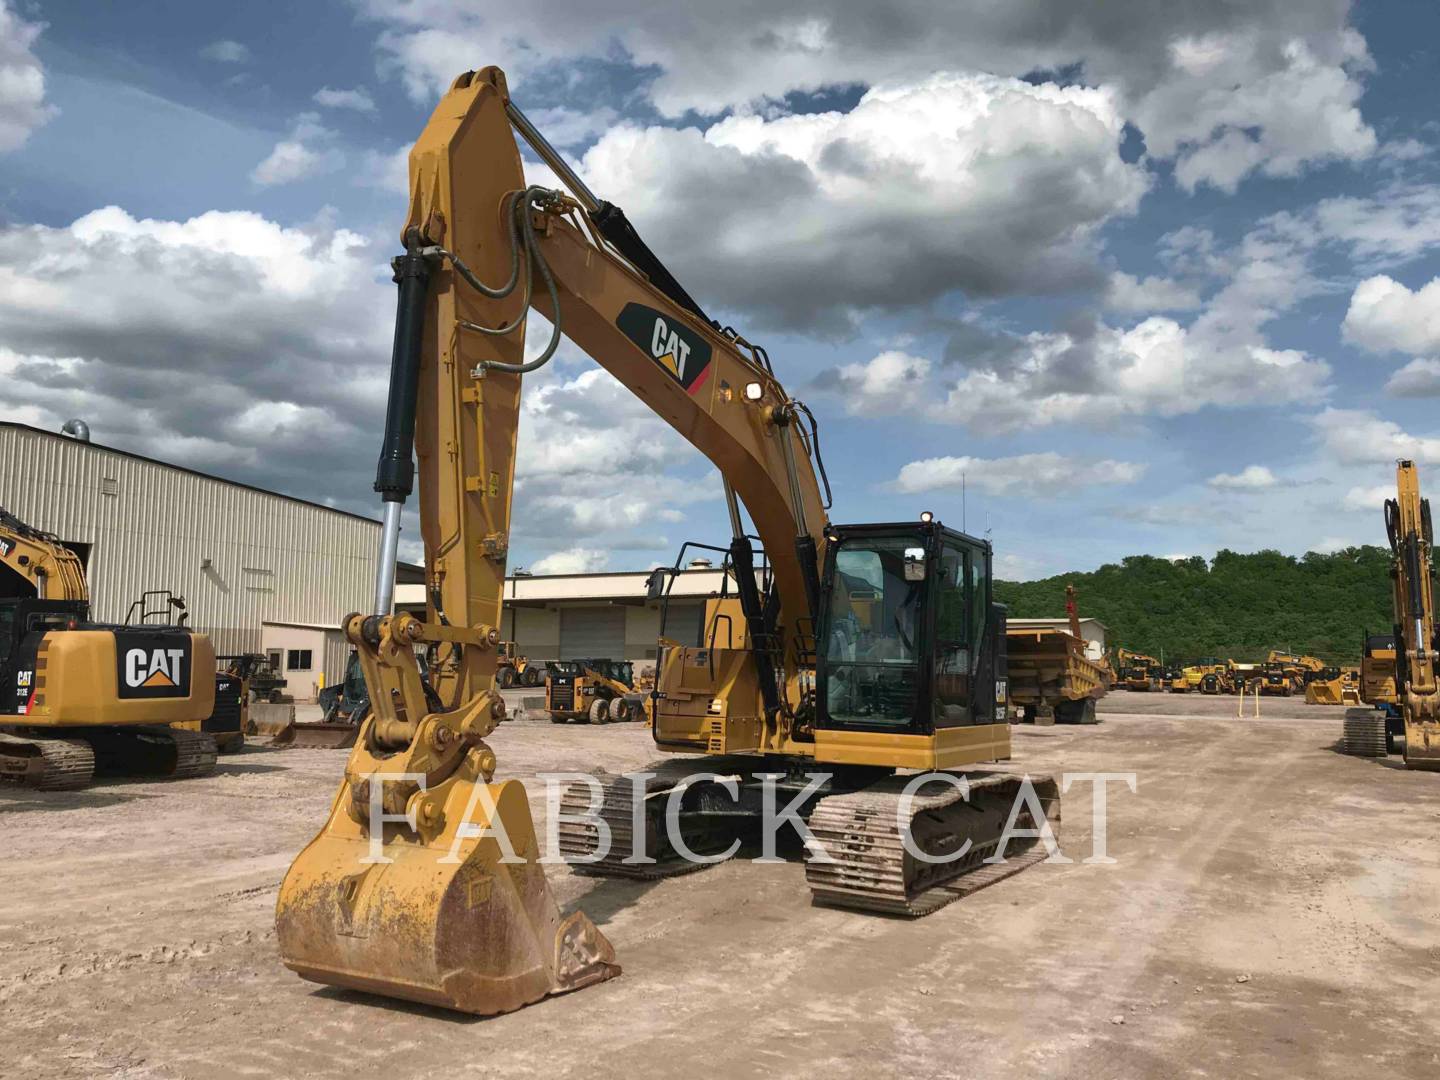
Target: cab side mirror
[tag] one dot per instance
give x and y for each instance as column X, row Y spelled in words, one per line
column 915, row 564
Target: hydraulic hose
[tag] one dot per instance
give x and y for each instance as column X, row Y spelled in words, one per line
column 522, row 236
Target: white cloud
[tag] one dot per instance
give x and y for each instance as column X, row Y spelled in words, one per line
column 230, row 343
column 358, row 99
column 1096, row 373
column 1419, row 378
column 1157, row 367
column 22, row 80
column 569, row 127
column 1250, row 478
column 388, row 171
column 1398, row 223
column 305, row 152
column 226, row 51
column 224, row 342
column 1010, row 566
column 577, row 560
column 1397, row 150
column 1367, row 499
column 1386, row 315
column 1234, row 104
column 1358, row 437
column 1047, row 474
column 966, row 182
column 1222, row 89
column 595, row 466
column 892, row 382
column 1127, row 293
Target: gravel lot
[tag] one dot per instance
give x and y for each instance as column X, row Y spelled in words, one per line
column 1274, row 911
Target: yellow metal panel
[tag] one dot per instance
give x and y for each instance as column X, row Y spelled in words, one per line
column 76, row 684
column 949, row 748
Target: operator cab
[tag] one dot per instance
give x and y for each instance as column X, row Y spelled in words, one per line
column 24, row 621
column 622, row 671
column 908, row 636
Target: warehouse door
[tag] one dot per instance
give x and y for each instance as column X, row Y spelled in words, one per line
column 685, row 623
column 590, row 633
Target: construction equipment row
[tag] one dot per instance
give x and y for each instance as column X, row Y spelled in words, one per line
column 1281, row 674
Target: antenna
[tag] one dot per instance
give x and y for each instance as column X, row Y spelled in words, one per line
column 962, row 504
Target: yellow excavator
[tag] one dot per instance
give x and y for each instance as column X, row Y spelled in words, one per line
column 870, row 648
column 1138, row 671
column 79, row 697
column 1411, row 535
column 1377, row 671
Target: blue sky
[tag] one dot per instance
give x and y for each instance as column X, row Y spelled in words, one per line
column 1150, row 281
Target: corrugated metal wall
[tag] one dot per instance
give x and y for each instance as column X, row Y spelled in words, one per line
column 153, row 527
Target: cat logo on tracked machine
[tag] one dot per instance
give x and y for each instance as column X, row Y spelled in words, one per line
column 676, row 348
column 151, row 666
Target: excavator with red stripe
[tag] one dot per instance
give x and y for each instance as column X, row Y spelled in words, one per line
column 78, row 697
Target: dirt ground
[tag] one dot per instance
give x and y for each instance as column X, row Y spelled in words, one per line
column 1274, row 911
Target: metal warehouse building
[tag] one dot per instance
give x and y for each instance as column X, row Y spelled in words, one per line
column 260, row 571
column 567, row 616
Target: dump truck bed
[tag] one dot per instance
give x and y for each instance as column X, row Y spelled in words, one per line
column 1050, row 677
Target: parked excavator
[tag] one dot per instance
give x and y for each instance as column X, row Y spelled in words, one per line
column 1138, row 672
column 1377, row 684
column 79, row 697
column 871, row 648
column 1417, row 692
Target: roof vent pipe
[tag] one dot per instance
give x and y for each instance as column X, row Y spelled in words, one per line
column 78, row 430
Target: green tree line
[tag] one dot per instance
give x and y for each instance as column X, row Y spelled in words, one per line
column 1236, row 606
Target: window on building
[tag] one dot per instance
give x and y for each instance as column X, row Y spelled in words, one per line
column 297, row 660
column 255, row 579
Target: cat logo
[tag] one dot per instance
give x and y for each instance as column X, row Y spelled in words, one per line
column 160, row 667
column 676, row 348
column 6, row 546
column 152, row 667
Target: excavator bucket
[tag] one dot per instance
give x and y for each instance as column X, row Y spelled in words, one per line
column 437, row 916
column 317, row 736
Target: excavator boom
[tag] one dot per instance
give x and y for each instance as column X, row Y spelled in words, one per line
column 49, row 569
column 1409, row 530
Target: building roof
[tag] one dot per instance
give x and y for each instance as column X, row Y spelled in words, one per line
column 614, row 587
column 181, row 468
column 1049, row 624
column 631, row 587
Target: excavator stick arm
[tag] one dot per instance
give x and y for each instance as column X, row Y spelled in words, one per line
column 407, row 891
column 1407, row 522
